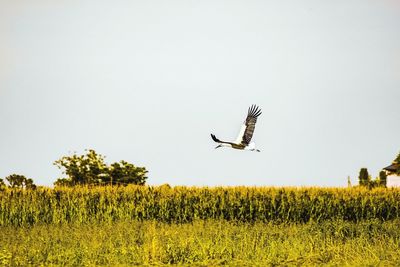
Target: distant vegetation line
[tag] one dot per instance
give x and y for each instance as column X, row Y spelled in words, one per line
column 185, row 204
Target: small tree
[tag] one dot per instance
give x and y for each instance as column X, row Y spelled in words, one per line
column 20, row 181
column 83, row 169
column 382, row 178
column 91, row 169
column 16, row 180
column 126, row 173
column 29, row 184
column 364, row 177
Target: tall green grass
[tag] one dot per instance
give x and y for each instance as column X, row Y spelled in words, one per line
column 185, row 204
column 203, row 243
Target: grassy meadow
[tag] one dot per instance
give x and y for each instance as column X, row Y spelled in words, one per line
column 242, row 226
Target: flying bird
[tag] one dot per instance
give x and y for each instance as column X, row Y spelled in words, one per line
column 246, row 132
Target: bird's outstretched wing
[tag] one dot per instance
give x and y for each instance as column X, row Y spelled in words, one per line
column 247, row 130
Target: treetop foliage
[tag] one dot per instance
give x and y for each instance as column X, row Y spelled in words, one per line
column 18, row 181
column 364, row 177
column 91, row 168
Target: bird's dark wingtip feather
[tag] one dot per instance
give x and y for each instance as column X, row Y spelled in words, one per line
column 254, row 111
column 214, row 138
column 251, row 109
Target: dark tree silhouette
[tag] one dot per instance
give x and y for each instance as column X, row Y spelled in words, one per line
column 20, row 181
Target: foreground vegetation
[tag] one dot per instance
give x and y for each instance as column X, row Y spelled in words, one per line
column 184, row 204
column 203, row 243
column 243, row 226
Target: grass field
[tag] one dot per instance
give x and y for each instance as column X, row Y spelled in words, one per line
column 204, row 243
column 240, row 226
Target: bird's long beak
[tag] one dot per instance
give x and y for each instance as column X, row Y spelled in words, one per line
column 218, row 146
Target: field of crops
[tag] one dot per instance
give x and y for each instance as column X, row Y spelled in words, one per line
column 241, row 226
column 183, row 204
column 203, row 243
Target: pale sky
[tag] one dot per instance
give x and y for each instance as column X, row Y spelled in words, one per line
column 148, row 81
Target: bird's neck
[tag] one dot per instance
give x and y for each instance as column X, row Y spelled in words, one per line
column 226, row 145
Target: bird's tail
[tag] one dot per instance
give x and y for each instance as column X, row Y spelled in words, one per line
column 252, row 145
